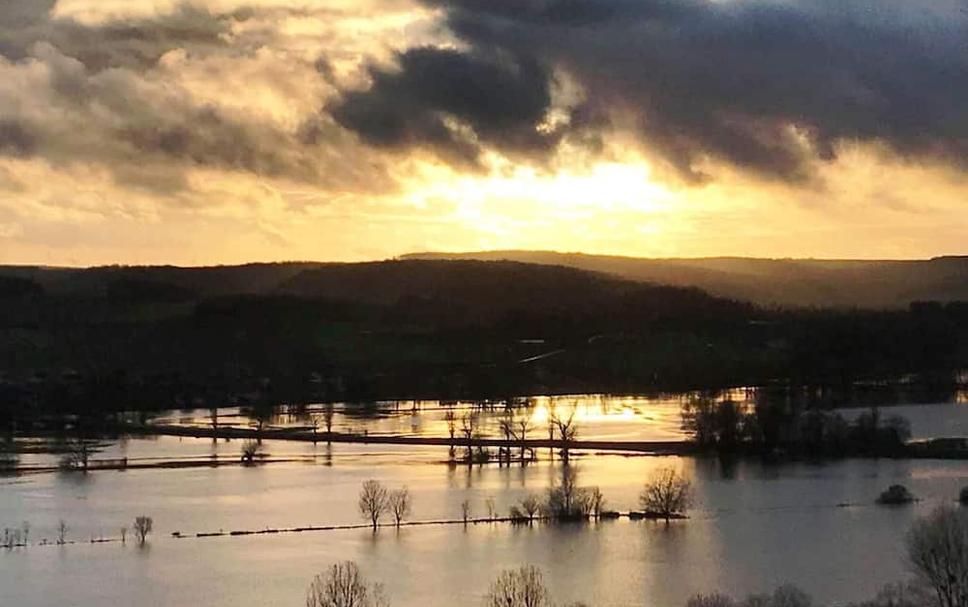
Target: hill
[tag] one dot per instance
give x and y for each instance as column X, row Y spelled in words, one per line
column 784, row 282
column 133, row 338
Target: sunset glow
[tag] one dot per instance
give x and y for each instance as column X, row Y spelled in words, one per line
column 221, row 131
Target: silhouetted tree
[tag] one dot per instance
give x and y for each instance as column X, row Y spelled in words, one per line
column 711, row 600
column 143, row 525
column 567, row 432
column 531, row 505
column 566, row 500
column 666, row 494
column 250, row 449
column 400, row 504
column 522, row 587
column 373, row 502
column 469, row 429
column 937, row 550
column 342, row 585
column 698, row 419
column 521, row 430
column 329, row 412
column 77, row 455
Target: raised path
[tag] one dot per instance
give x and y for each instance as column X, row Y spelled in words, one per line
column 652, row 447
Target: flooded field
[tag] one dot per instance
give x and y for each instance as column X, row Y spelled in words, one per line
column 752, row 525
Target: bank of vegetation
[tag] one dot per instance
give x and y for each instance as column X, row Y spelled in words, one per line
column 94, row 342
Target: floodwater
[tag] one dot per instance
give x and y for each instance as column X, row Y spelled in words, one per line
column 753, row 526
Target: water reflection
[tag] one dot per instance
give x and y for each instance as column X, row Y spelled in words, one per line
column 599, row 417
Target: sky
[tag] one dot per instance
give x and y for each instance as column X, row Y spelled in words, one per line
column 226, row 131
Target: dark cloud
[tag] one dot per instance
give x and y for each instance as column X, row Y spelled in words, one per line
column 16, row 139
column 503, row 99
column 769, row 86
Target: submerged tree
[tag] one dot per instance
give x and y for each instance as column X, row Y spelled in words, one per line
column 77, row 455
column 250, row 450
column 342, row 585
column 521, row 430
column 329, row 412
column 374, row 501
column 530, row 506
column 666, row 494
column 784, row 596
column 400, row 505
column 522, row 587
column 62, row 530
column 566, row 500
column 143, row 525
column 567, row 432
column 465, row 510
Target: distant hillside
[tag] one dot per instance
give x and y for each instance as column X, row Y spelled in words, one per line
column 490, row 289
column 204, row 281
column 130, row 338
column 786, row 282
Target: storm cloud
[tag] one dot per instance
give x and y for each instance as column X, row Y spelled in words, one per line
column 771, row 87
column 503, row 100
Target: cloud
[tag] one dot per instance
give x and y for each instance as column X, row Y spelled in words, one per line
column 15, row 139
column 772, row 87
column 435, row 92
column 135, row 43
column 154, row 96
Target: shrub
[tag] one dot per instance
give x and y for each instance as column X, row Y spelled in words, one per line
column 896, row 495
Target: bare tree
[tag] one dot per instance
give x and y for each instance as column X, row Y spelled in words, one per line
column 711, row 600
column 567, row 500
column 522, row 587
column 508, row 427
column 374, row 501
column 567, row 433
column 77, row 455
column 666, row 495
column 250, row 450
column 329, row 412
column 937, row 548
column 523, row 427
column 62, row 530
column 25, row 528
column 596, row 501
column 451, row 418
column 400, row 504
column 213, row 421
column 531, row 505
column 491, row 508
column 465, row 510
column 143, row 525
column 124, row 535
column 314, row 424
column 468, row 429
column 342, row 585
